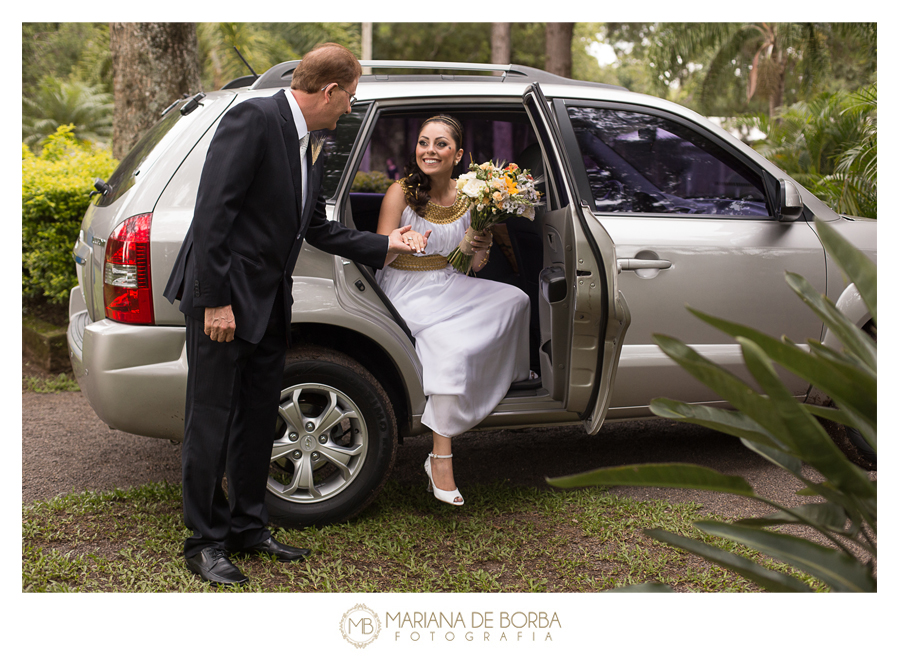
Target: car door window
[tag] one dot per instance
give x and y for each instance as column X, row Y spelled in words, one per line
column 644, row 163
column 338, row 145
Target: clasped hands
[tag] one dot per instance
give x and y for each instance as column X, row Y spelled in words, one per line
column 404, row 240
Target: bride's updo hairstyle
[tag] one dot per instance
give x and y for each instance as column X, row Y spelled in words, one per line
column 418, row 184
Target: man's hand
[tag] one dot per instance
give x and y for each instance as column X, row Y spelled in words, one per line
column 218, row 323
column 404, row 240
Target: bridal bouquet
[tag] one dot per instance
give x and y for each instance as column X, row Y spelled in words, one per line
column 497, row 193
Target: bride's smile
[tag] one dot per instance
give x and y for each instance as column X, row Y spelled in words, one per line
column 436, row 151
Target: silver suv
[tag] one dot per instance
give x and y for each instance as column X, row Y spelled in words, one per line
column 649, row 207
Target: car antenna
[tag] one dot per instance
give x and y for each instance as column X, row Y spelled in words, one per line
column 255, row 74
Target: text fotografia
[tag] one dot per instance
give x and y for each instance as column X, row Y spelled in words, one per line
column 478, row 626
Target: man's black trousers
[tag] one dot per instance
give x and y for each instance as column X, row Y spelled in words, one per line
column 230, row 412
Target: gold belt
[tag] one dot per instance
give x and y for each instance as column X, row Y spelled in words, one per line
column 419, row 263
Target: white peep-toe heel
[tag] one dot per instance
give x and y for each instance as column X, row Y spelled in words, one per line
column 441, row 494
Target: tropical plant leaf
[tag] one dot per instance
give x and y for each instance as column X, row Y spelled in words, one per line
column 721, row 420
column 843, row 417
column 825, row 515
column 844, row 359
column 835, row 568
column 715, row 377
column 678, row 476
column 778, row 457
column 772, row 581
column 854, row 264
column 852, row 337
column 788, row 420
column 841, row 381
column 858, row 507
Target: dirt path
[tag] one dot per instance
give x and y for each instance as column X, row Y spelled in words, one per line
column 66, row 448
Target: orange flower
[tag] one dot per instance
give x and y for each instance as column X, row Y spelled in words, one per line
column 511, row 184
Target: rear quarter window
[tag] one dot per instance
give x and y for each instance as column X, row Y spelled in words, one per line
column 155, row 141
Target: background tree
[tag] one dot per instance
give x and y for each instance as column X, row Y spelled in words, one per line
column 66, row 51
column 752, row 66
column 501, row 53
column 153, row 65
column 59, row 102
column 501, row 43
column 829, row 144
column 217, row 41
column 559, row 49
column 263, row 45
column 456, row 42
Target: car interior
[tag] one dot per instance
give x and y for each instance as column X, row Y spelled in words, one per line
column 500, row 135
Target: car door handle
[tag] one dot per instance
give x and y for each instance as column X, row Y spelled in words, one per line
column 641, row 264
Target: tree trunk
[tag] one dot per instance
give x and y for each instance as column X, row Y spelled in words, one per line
column 501, row 43
column 501, row 53
column 154, row 64
column 776, row 97
column 559, row 49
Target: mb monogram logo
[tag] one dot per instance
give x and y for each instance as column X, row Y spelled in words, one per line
column 360, row 626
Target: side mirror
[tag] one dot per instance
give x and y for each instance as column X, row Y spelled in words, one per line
column 790, row 203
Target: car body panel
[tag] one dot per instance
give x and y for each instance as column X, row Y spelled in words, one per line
column 598, row 316
column 118, row 364
column 152, row 175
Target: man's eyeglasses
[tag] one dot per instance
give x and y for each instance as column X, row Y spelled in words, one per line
column 352, row 97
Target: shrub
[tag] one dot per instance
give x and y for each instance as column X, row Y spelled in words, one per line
column 55, row 195
column 371, row 181
column 784, row 431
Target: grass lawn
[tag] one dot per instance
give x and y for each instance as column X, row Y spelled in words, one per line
column 506, row 540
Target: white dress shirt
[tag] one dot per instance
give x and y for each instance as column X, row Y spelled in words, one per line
column 302, row 130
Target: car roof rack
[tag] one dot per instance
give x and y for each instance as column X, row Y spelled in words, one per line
column 378, row 70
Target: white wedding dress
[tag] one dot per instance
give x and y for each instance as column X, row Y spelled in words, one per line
column 471, row 334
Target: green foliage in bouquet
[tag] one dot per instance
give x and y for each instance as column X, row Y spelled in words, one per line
column 786, row 432
column 55, row 189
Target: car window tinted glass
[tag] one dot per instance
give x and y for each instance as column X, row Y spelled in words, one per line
column 338, row 144
column 133, row 164
column 643, row 163
column 500, row 135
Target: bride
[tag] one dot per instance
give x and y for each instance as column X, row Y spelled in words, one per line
column 471, row 334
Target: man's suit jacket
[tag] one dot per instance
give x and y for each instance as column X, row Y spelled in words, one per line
column 247, row 229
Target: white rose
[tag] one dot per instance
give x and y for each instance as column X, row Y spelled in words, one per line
column 473, row 187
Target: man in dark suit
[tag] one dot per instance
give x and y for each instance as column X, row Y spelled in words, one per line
column 257, row 200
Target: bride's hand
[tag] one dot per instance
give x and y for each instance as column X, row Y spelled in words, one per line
column 405, row 240
column 416, row 240
column 481, row 240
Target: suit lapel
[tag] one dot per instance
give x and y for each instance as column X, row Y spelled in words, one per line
column 292, row 146
column 314, row 183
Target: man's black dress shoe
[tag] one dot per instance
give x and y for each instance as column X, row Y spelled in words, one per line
column 212, row 564
column 283, row 552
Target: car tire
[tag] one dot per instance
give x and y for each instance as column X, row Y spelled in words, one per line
column 860, row 443
column 335, row 441
column 854, row 435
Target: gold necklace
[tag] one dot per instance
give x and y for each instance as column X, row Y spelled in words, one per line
column 437, row 214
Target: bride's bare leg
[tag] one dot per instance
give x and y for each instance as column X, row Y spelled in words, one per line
column 442, row 469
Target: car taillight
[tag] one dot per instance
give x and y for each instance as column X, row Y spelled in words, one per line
column 127, row 289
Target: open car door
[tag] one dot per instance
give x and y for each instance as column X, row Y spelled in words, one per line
column 583, row 317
